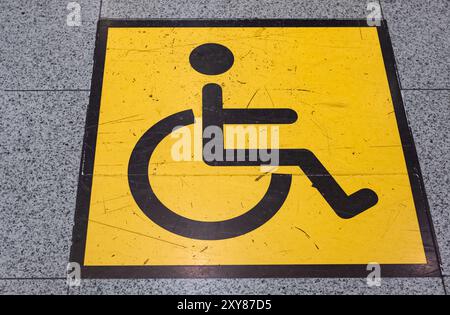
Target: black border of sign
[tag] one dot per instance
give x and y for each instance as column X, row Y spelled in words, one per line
column 430, row 269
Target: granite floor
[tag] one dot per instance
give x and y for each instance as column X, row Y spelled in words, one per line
column 45, row 75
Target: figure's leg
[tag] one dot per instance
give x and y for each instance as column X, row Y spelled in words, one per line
column 345, row 206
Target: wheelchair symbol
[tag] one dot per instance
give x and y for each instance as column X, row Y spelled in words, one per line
column 214, row 59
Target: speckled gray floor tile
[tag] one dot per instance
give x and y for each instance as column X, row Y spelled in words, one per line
column 421, row 39
column 260, row 286
column 40, row 136
column 429, row 115
column 234, row 9
column 33, row 286
column 39, row 49
column 447, row 285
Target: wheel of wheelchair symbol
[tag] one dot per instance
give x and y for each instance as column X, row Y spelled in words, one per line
column 155, row 210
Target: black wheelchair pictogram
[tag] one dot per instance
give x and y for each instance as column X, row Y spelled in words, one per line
column 214, row 59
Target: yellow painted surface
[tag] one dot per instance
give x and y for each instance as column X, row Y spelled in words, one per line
column 333, row 77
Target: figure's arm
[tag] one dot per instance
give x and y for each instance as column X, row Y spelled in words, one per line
column 215, row 114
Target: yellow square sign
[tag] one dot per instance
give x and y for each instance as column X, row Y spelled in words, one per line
column 248, row 148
